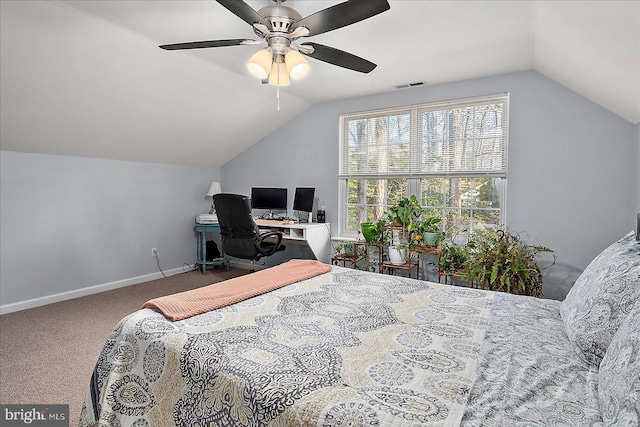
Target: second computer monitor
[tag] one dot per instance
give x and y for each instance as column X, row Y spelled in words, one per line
column 269, row 198
column 303, row 200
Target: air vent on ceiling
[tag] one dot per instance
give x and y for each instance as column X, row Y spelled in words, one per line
column 416, row 84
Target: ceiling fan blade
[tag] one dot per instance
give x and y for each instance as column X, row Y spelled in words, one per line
column 205, row 44
column 339, row 57
column 341, row 15
column 244, row 12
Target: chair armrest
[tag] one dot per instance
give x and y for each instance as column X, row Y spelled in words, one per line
column 269, row 250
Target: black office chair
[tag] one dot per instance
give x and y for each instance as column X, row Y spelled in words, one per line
column 239, row 233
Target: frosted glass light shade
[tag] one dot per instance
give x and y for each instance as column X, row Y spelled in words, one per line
column 214, row 188
column 260, row 64
column 278, row 75
column 297, row 66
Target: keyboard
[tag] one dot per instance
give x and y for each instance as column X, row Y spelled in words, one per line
column 273, row 222
column 276, row 218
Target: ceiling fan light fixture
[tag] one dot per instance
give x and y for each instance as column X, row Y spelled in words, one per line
column 280, row 26
column 279, row 75
column 260, row 64
column 297, row 66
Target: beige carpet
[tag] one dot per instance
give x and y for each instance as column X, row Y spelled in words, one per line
column 47, row 354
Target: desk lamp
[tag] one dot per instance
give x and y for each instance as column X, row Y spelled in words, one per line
column 214, row 189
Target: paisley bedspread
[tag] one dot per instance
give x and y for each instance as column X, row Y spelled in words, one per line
column 528, row 372
column 344, row 348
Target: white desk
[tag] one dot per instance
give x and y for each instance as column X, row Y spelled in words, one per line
column 316, row 235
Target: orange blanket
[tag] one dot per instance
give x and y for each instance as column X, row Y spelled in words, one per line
column 186, row 304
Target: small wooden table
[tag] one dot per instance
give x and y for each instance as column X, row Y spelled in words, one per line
column 201, row 249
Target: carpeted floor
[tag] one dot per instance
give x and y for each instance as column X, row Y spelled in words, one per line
column 47, row 353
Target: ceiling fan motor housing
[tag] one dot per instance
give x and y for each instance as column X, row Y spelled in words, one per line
column 281, row 19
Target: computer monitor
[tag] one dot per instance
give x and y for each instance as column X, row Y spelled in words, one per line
column 303, row 200
column 268, row 198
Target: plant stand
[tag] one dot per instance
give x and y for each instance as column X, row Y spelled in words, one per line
column 413, row 263
column 366, row 246
column 407, row 266
column 458, row 274
column 427, row 249
column 346, row 258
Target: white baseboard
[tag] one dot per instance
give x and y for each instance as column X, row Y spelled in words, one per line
column 63, row 296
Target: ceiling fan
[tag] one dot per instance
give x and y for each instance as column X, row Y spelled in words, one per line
column 280, row 26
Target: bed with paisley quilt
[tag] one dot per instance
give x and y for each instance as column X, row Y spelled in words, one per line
column 347, row 347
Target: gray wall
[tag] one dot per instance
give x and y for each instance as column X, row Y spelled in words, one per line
column 572, row 164
column 69, row 223
column 638, row 168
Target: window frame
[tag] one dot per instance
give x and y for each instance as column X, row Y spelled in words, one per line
column 415, row 175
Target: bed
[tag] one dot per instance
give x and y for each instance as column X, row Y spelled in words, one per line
column 350, row 348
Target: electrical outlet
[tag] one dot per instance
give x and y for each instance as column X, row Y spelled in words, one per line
column 154, row 252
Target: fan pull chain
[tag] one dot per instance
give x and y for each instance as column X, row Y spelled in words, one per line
column 278, row 87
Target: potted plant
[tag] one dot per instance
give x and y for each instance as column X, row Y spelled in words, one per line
column 403, row 217
column 398, row 244
column 405, row 213
column 452, row 259
column 344, row 248
column 347, row 249
column 502, row 261
column 398, row 253
column 373, row 231
column 429, row 230
column 367, row 231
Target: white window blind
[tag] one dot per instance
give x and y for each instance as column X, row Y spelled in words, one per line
column 460, row 137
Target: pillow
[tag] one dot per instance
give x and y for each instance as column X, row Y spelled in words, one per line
column 619, row 376
column 602, row 297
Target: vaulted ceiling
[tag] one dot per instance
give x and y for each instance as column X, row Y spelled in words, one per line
column 87, row 78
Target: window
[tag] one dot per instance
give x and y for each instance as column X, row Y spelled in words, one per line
column 452, row 156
